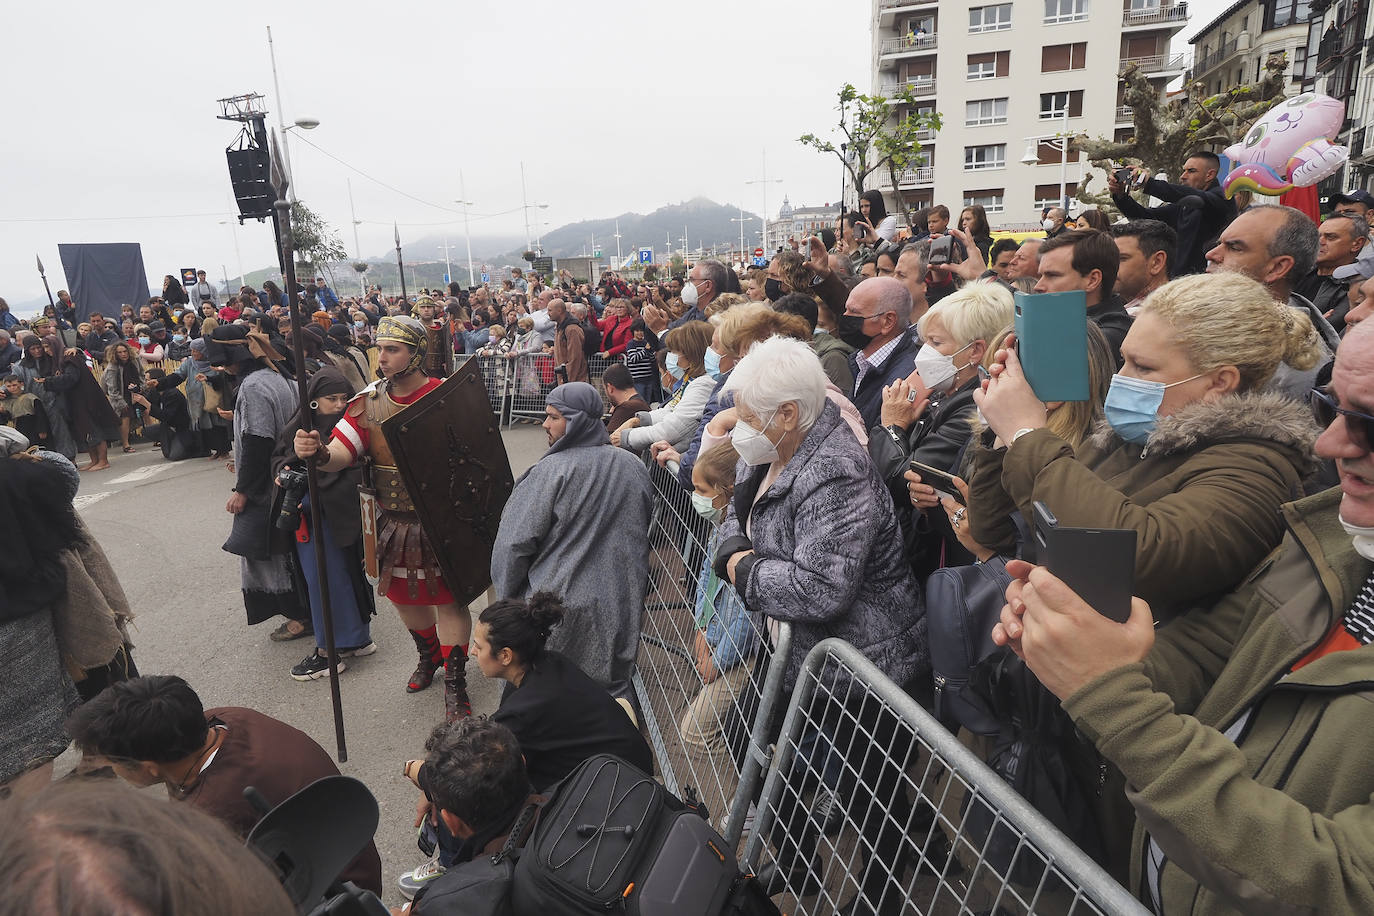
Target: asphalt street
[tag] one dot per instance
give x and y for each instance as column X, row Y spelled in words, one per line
column 162, row 525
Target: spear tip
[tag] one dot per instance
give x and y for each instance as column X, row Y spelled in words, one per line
column 39, row 258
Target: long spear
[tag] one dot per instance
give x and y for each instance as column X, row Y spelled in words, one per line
column 401, row 269
column 45, row 282
column 281, row 181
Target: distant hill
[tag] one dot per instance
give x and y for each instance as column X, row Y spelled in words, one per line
column 706, row 222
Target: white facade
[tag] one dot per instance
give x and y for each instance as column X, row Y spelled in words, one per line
column 1005, row 76
column 798, row 222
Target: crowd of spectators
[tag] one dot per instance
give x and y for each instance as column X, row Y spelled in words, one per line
column 798, row 404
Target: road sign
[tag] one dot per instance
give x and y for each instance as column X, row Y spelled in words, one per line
column 542, row 266
column 486, row 277
column 596, row 253
column 447, row 278
column 646, row 256
column 188, row 276
column 760, row 262
column 758, row 252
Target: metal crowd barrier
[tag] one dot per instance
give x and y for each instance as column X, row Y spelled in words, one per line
column 516, row 386
column 706, row 680
column 869, row 795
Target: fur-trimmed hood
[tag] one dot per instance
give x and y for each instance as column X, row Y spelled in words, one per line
column 1265, row 416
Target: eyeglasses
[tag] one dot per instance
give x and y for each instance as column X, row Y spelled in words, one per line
column 1359, row 426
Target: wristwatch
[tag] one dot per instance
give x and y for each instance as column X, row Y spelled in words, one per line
column 1021, row 432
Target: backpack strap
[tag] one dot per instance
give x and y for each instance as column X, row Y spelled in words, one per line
column 518, row 831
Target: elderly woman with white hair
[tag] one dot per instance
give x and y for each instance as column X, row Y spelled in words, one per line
column 810, row 538
column 926, row 416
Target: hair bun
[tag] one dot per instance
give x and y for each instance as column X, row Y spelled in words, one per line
column 546, row 610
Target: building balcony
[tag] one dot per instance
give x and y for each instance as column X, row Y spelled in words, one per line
column 1125, row 114
column 1158, row 64
column 889, row 11
column 1173, row 16
column 1216, row 58
column 904, row 47
column 920, row 88
column 920, row 177
column 1337, row 44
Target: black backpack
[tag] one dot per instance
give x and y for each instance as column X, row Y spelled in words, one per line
column 611, row 838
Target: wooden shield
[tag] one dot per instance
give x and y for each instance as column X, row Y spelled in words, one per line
column 449, row 450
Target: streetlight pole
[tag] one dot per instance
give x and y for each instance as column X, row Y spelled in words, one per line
column 619, row 259
column 233, row 230
column 765, row 181
column 357, row 248
column 400, row 264
column 281, row 118
column 448, row 269
column 525, row 204
column 467, row 236
column 1064, row 160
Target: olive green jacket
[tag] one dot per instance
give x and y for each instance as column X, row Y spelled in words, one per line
column 1202, row 493
column 1280, row 821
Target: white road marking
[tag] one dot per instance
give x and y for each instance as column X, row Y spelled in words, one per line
column 88, row 499
column 142, row 473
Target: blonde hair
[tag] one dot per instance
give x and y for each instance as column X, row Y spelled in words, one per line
column 717, row 465
column 747, row 324
column 1227, row 319
column 723, row 302
column 525, row 323
column 976, row 312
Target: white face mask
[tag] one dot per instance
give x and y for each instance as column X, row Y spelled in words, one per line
column 689, row 293
column 1048, row 224
column 937, row 370
column 1363, row 539
column 753, row 446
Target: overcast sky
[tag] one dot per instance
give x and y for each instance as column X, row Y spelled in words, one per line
column 613, row 106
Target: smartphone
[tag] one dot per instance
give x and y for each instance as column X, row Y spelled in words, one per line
column 941, row 249
column 1097, row 563
column 941, row 481
column 1052, row 343
column 1123, row 176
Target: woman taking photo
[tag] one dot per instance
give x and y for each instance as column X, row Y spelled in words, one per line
column 1196, row 455
column 876, row 216
column 925, row 417
column 350, row 595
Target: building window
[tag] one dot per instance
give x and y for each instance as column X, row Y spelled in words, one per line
column 982, row 112
column 988, row 65
column 989, row 18
column 1054, row 58
column 1053, row 105
column 979, row 158
column 991, row 200
column 1047, row 195
column 1145, row 6
column 1279, row 13
column 1049, row 153
column 1065, row 11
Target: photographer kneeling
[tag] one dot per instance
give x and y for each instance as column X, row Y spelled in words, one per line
column 475, row 776
column 350, row 595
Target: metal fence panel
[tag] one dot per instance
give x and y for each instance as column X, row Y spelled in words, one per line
column 497, row 372
column 707, row 680
column 869, row 795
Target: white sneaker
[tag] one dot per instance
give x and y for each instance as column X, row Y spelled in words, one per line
column 411, row 882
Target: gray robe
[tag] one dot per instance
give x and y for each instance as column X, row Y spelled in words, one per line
column 577, row 525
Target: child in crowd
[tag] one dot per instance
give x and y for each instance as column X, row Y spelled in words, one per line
column 24, row 411
column 639, row 359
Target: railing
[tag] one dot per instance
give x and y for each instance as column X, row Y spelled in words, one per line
column 1177, row 12
column 1157, row 63
column 516, row 385
column 1215, row 58
column 919, row 176
column 910, row 43
column 868, row 796
column 1125, row 113
column 709, row 675
column 894, row 4
column 920, row 88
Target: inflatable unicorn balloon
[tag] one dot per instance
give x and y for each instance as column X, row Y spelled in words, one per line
column 1290, row 147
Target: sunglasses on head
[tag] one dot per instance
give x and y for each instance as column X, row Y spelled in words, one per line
column 1359, row 426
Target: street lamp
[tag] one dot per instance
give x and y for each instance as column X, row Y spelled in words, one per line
column 1060, row 140
column 742, row 219
column 467, row 236
column 299, row 123
column 765, row 181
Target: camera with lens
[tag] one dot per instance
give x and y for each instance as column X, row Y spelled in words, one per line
column 294, row 481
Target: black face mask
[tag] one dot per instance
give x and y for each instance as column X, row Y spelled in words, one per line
column 850, row 329
column 772, row 289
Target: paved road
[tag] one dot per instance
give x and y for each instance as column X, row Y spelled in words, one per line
column 162, row 525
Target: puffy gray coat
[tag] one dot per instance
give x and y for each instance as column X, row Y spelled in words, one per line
column 828, row 555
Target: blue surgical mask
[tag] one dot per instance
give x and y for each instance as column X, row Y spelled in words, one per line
column 713, row 363
column 178, row 337
column 1132, row 405
column 675, row 370
column 145, row 340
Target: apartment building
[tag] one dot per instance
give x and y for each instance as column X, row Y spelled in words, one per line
column 1009, row 79
column 1231, row 49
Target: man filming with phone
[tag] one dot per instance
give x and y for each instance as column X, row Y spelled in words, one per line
column 1242, row 728
column 1197, row 208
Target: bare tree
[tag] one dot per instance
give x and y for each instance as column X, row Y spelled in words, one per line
column 1166, row 132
